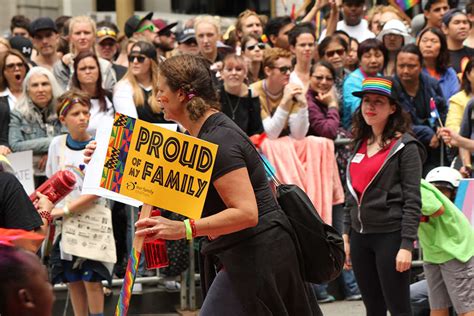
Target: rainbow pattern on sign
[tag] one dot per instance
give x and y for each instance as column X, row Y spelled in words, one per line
column 406, row 4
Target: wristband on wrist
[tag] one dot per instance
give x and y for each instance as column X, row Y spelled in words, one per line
column 66, row 210
column 193, row 227
column 189, row 231
column 47, row 216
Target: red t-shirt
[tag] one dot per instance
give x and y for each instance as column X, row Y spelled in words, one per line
column 364, row 168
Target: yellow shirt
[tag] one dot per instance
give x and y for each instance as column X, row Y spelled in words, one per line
column 457, row 105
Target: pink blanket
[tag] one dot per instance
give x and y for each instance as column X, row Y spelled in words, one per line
column 309, row 163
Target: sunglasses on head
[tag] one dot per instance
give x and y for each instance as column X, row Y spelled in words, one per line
column 139, row 58
column 105, row 32
column 252, row 47
column 149, row 27
column 331, row 53
column 284, row 69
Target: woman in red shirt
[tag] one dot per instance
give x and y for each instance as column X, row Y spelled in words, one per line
column 383, row 204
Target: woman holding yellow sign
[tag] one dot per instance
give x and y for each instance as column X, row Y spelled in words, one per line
column 258, row 269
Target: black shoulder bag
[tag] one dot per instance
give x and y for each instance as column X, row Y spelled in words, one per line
column 321, row 247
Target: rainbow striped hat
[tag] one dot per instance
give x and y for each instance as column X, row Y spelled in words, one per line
column 376, row 85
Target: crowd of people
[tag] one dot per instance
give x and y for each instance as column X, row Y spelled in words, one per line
column 300, row 88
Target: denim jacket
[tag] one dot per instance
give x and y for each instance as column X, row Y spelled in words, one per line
column 36, row 135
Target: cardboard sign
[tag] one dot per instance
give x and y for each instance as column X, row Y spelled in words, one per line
column 159, row 167
column 22, row 164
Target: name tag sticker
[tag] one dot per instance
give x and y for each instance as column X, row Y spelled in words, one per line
column 358, row 158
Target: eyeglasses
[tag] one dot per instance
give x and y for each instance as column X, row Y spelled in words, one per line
column 321, row 78
column 149, row 27
column 105, row 32
column 140, row 59
column 331, row 53
column 14, row 65
column 284, row 69
column 252, row 47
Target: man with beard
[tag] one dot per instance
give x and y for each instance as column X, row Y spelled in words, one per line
column 166, row 40
column 277, row 29
column 457, row 26
column 45, row 37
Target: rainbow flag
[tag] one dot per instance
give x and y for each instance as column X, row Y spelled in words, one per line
column 434, row 110
column 406, row 4
column 465, row 199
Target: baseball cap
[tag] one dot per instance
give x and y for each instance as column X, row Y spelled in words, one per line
column 144, row 48
column 186, row 35
column 41, row 24
column 23, row 45
column 133, row 22
column 162, row 26
column 105, row 33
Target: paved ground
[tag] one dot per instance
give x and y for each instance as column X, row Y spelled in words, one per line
column 338, row 308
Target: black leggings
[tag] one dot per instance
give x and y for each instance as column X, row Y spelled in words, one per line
column 382, row 287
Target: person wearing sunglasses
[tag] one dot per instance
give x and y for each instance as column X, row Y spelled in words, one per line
column 141, row 28
column 166, row 40
column 82, row 38
column 302, row 45
column 134, row 95
column 252, row 50
column 284, row 107
column 187, row 43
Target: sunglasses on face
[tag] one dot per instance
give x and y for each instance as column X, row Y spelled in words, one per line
column 166, row 33
column 14, row 65
column 252, row 47
column 139, row 58
column 331, row 53
column 284, row 69
column 149, row 27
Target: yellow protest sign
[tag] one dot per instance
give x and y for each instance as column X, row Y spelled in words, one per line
column 157, row 166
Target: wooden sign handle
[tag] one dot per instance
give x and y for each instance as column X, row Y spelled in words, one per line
column 144, row 213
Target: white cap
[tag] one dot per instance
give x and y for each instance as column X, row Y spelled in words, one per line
column 395, row 27
column 444, row 174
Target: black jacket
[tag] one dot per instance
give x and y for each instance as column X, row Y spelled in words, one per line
column 392, row 200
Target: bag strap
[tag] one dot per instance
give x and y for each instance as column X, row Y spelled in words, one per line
column 268, row 168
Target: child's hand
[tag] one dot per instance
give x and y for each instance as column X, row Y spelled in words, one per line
column 90, row 148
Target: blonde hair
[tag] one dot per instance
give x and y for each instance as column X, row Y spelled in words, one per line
column 215, row 21
column 138, row 94
column 77, row 20
column 244, row 15
column 5, row 42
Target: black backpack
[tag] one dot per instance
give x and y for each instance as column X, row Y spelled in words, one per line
column 320, row 246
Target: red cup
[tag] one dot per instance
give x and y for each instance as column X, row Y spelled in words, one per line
column 156, row 254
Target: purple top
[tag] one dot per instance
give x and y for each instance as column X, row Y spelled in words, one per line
column 323, row 121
